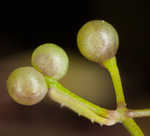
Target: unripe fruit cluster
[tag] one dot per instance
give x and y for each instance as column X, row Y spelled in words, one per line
column 97, row 40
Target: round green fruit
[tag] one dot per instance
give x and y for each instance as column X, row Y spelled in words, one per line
column 98, row 40
column 26, row 86
column 51, row 60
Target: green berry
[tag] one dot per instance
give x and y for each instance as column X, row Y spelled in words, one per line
column 27, row 86
column 97, row 40
column 51, row 60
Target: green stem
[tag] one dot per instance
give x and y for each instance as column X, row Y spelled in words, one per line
column 81, row 106
column 139, row 113
column 111, row 66
column 132, row 127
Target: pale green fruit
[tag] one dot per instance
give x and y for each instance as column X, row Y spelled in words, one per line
column 97, row 40
column 26, row 86
column 51, row 60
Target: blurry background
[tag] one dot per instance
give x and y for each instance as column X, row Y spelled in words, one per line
column 59, row 22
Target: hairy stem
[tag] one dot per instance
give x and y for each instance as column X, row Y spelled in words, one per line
column 111, row 66
column 132, row 127
column 138, row 113
column 81, row 106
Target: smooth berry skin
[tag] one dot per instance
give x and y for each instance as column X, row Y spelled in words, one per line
column 51, row 60
column 98, row 41
column 26, row 86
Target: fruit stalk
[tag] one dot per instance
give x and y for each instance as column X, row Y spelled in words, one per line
column 79, row 105
column 111, row 66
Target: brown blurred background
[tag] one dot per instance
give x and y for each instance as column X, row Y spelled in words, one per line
column 58, row 22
